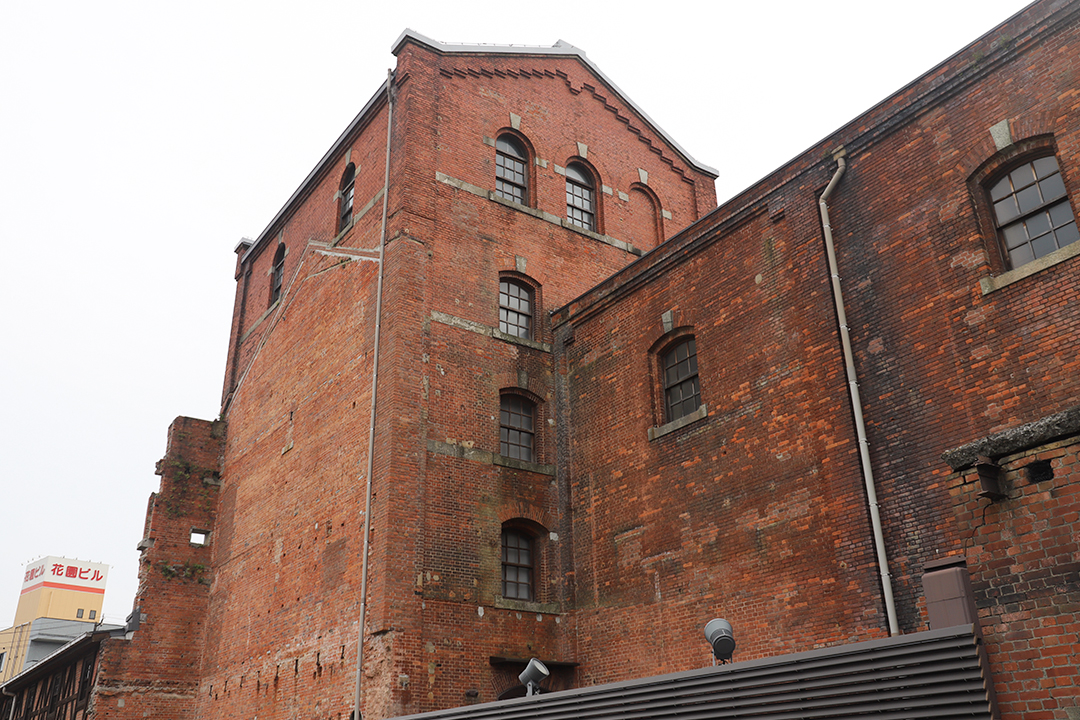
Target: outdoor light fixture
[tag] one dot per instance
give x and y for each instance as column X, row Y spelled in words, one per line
column 531, row 676
column 718, row 633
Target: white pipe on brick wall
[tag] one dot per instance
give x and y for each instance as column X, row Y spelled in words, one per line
column 856, row 400
column 357, row 687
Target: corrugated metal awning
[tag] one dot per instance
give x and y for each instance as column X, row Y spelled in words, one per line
column 935, row 674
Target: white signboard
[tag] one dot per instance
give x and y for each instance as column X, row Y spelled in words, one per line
column 65, row 574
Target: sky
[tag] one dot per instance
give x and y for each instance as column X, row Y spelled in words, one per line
column 140, row 141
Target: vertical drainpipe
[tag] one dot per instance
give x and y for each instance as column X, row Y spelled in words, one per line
column 390, row 97
column 856, row 400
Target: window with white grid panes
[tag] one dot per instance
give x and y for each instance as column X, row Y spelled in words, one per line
column 1032, row 212
column 517, row 416
column 511, row 161
column 348, row 185
column 516, row 309
column 517, row 565
column 580, row 197
column 682, row 392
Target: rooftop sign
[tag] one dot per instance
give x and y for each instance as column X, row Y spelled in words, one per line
column 65, row 574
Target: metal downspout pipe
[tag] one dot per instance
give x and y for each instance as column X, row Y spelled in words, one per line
column 856, row 400
column 390, row 97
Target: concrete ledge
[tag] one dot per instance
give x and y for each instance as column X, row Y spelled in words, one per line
column 481, row 329
column 666, row 428
column 522, row 465
column 526, row 606
column 486, row 457
column 991, row 284
column 1016, row 439
column 257, row 323
column 539, row 214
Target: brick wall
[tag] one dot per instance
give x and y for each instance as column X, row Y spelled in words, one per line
column 1024, row 561
column 285, row 603
column 155, row 673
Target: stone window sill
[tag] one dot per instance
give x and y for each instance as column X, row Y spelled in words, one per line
column 991, row 284
column 526, row 605
column 668, row 428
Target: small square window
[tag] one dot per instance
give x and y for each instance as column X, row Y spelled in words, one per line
column 93, row 614
column 200, row 537
column 79, row 613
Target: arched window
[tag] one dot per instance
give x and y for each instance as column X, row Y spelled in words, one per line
column 277, row 274
column 682, row 391
column 345, row 203
column 511, row 163
column 518, row 564
column 515, row 308
column 517, row 420
column 580, row 197
column 1031, row 211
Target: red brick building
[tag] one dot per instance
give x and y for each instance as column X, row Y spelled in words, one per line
column 501, row 370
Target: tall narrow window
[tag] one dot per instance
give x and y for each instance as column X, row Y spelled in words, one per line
column 345, row 207
column 277, row 274
column 511, row 161
column 516, row 420
column 516, row 309
column 580, row 197
column 517, row 565
column 682, row 393
column 1032, row 211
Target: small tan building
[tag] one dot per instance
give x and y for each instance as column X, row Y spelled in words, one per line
column 60, row 599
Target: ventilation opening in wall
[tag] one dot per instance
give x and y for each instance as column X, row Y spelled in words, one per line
column 1039, row 471
column 200, row 537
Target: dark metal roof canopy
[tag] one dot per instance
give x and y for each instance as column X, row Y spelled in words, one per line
column 935, row 674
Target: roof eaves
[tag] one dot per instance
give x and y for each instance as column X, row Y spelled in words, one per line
column 559, row 48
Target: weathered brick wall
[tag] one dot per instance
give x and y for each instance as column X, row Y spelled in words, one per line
column 155, row 674
column 721, row 517
column 288, row 553
column 754, row 513
column 1024, row 560
column 941, row 363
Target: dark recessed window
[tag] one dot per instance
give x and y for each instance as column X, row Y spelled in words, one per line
column 79, row 613
column 580, row 197
column 511, row 161
column 277, row 274
column 517, row 565
column 345, row 207
column 515, row 309
column 93, row 614
column 1032, row 211
column 516, row 419
column 682, row 393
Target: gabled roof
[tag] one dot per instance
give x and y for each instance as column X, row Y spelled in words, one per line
column 560, row 48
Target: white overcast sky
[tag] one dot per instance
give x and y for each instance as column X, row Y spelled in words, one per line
column 139, row 141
